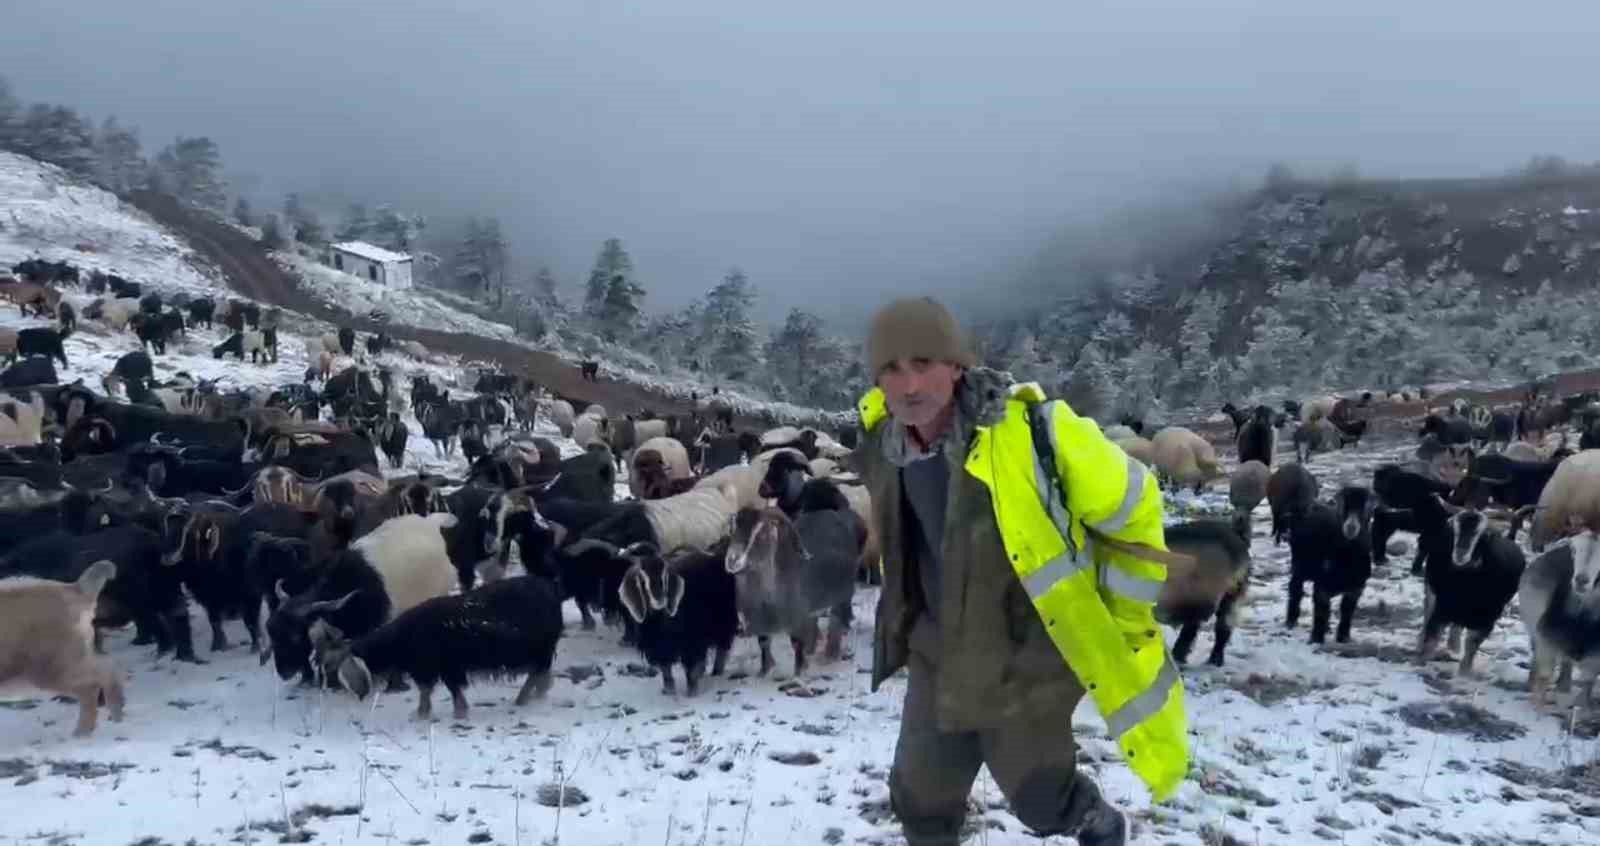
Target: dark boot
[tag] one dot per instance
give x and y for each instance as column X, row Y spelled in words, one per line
column 1103, row 826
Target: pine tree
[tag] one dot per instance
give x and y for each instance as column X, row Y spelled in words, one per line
column 481, row 259
column 121, row 165
column 613, row 261
column 727, row 334
column 1197, row 376
column 620, row 309
column 396, row 231
column 1090, row 390
column 194, row 168
column 545, row 289
column 271, row 233
column 303, row 222
column 242, row 213
column 56, row 134
column 10, row 116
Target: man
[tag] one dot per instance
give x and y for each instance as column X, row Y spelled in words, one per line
column 1009, row 587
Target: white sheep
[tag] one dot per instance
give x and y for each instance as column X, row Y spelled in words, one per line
column 746, row 478
column 1569, row 501
column 697, row 518
column 670, row 462
column 1119, row 432
column 1140, row 448
column 118, row 312
column 590, row 428
column 597, row 410
column 21, row 419
column 330, row 343
column 561, row 414
column 1184, row 457
column 409, row 552
column 1316, row 408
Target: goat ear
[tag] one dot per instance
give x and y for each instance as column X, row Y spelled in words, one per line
column 632, row 595
column 355, row 676
column 674, row 593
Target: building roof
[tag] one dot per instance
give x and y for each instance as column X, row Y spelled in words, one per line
column 370, row 252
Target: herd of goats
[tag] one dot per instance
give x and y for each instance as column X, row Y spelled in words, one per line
column 117, row 511
column 125, row 509
column 1478, row 475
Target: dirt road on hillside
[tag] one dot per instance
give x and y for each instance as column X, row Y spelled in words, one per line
column 252, row 273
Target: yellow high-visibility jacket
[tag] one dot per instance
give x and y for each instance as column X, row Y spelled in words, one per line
column 1096, row 604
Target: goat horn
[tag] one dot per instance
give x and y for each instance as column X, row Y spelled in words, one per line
column 1450, row 509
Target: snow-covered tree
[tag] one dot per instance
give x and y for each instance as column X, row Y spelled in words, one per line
column 1114, row 335
column 10, row 115
column 242, row 212
column 271, row 233
column 1091, row 388
column 394, row 230
column 481, row 258
column 727, row 335
column 1276, row 354
column 613, row 261
column 1197, row 375
column 121, row 166
column 303, row 222
column 619, row 311
column 194, row 172
column 56, row 134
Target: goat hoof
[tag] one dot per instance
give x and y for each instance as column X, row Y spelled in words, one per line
column 1215, row 661
column 460, row 714
column 192, row 659
column 588, row 625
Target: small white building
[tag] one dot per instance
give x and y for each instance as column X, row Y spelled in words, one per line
column 372, row 263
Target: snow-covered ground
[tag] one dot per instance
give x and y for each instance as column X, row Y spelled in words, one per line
column 1292, row 744
column 46, row 213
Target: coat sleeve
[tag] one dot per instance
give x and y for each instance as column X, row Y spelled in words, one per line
column 1113, row 494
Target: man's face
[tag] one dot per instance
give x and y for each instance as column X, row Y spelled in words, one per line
column 917, row 390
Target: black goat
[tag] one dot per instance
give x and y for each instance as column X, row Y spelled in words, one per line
column 510, row 626
column 1257, row 439
column 39, row 341
column 1331, row 546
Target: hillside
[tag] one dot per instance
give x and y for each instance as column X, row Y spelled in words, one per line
column 343, row 300
column 1387, row 285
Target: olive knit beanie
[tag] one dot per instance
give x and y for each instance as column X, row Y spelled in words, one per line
column 915, row 327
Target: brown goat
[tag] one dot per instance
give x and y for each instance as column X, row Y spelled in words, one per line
column 47, row 640
column 44, row 299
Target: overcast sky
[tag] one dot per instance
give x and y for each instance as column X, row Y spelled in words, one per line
column 840, row 152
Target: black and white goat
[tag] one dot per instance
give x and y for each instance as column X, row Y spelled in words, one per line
column 1472, row 571
column 683, row 607
column 1559, row 602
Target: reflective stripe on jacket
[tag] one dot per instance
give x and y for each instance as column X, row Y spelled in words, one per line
column 1097, row 605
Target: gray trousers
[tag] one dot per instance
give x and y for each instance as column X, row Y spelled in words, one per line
column 1032, row 759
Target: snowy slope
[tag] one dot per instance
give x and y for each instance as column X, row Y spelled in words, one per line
column 46, row 213
column 1292, row 744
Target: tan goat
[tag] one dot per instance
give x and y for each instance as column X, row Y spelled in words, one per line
column 47, row 640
